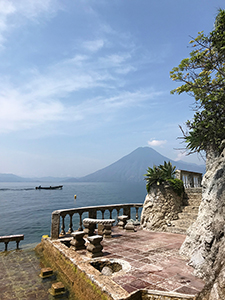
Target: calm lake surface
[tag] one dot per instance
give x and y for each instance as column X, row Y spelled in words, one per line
column 25, row 210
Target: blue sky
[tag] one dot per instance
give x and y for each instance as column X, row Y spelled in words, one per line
column 84, row 83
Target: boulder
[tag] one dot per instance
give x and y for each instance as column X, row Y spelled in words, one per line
column 161, row 206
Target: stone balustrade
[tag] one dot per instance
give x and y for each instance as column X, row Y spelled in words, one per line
column 9, row 238
column 190, row 179
column 58, row 216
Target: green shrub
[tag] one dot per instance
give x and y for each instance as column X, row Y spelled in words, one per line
column 168, row 170
column 177, row 185
column 154, row 176
column 163, row 173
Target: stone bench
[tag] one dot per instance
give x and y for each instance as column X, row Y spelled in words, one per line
column 104, row 226
column 10, row 238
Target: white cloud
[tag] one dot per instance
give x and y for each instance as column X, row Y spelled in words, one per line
column 94, row 45
column 180, row 155
column 15, row 13
column 126, row 99
column 125, row 70
column 46, row 99
column 81, row 72
column 157, row 143
column 19, row 112
column 32, row 8
column 6, row 10
column 115, row 60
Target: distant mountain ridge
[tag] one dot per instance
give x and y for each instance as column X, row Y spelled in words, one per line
column 15, row 178
column 132, row 167
column 11, row 178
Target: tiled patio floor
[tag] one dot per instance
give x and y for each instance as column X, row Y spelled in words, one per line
column 154, row 259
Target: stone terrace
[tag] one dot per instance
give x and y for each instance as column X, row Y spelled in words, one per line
column 153, row 257
column 155, row 262
column 154, row 265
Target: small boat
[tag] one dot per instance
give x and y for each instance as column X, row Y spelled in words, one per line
column 57, row 187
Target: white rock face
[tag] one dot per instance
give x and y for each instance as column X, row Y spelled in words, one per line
column 161, row 206
column 204, row 236
column 215, row 288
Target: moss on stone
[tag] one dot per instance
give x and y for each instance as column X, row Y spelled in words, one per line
column 79, row 284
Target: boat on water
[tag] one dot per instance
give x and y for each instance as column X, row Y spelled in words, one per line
column 57, row 187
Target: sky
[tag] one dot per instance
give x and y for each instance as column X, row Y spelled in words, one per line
column 84, row 83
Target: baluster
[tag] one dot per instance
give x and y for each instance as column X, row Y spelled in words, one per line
column 118, row 213
column 136, row 214
column 103, row 214
column 81, row 223
column 126, row 211
column 63, row 227
column 71, row 224
column 110, row 213
column 92, row 213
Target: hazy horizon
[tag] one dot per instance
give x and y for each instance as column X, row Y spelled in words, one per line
column 65, row 177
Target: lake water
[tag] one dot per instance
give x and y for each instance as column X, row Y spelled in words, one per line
column 25, row 210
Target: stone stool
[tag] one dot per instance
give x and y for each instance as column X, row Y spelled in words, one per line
column 101, row 228
column 105, row 227
column 122, row 221
column 57, row 289
column 46, row 272
column 129, row 226
column 107, row 230
column 89, row 227
column 77, row 243
column 94, row 247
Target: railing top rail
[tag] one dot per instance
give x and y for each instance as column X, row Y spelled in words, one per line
column 98, row 207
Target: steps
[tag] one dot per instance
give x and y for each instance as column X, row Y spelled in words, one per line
column 191, row 200
column 190, row 209
column 191, row 216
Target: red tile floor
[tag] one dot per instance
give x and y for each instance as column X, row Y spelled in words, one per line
column 154, row 259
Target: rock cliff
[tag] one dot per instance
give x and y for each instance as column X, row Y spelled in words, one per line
column 215, row 287
column 204, row 237
column 161, row 206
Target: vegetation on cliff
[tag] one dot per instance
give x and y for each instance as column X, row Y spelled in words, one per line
column 203, row 77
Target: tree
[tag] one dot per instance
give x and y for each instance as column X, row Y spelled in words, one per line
column 203, row 77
